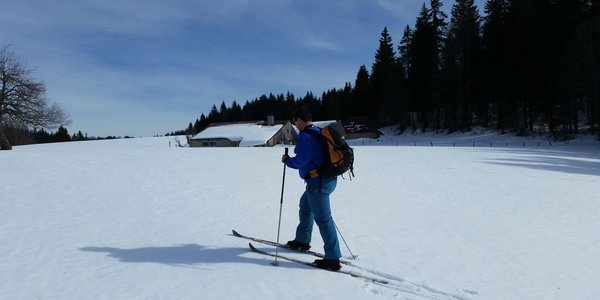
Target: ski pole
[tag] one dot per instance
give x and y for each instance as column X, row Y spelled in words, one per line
column 343, row 239
column 280, row 208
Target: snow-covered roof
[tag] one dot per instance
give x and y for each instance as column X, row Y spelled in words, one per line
column 319, row 124
column 323, row 123
column 247, row 134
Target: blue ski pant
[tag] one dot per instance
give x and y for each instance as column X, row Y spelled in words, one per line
column 315, row 207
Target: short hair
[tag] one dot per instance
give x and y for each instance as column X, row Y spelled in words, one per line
column 303, row 113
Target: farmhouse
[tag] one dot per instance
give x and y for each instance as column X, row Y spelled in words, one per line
column 246, row 134
column 270, row 133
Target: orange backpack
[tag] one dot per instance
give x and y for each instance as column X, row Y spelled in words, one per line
column 338, row 157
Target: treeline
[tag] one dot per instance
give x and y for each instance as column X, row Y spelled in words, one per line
column 521, row 66
column 331, row 105
column 25, row 136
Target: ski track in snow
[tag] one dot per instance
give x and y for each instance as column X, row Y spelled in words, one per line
column 416, row 289
column 394, row 282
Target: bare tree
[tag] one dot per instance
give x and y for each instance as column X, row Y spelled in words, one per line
column 22, row 99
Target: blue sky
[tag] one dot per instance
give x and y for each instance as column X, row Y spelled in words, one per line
column 147, row 67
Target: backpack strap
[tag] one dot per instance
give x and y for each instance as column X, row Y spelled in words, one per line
column 314, row 173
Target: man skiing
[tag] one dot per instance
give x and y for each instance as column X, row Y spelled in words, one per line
column 314, row 202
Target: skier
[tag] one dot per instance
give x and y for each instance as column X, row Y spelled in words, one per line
column 314, row 202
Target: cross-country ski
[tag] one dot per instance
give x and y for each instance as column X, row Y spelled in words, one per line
column 308, row 263
column 274, row 244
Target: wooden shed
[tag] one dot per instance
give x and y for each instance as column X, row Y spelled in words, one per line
column 245, row 134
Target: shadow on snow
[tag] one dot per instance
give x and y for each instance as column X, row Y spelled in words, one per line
column 555, row 161
column 184, row 255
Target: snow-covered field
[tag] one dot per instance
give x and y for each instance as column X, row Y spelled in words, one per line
column 135, row 219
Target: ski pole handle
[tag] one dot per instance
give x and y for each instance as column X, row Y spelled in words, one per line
column 285, row 156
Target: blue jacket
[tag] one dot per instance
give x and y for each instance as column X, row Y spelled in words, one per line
column 308, row 153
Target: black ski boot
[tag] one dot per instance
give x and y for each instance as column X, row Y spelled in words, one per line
column 328, row 264
column 298, row 245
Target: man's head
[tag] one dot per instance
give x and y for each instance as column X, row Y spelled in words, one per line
column 302, row 117
column 303, row 113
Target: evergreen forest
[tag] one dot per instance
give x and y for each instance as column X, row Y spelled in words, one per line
column 520, row 66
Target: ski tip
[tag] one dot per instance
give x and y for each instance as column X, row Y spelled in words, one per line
column 251, row 247
column 235, row 233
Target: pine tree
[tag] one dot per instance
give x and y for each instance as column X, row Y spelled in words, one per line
column 380, row 71
column 568, row 16
column 346, row 101
column 329, row 104
column 78, row 136
column 530, row 63
column 465, row 28
column 213, row 115
column 361, row 92
column 494, row 40
column 424, row 63
column 235, row 112
column 438, row 24
column 42, row 136
column 61, row 135
column 290, row 102
column 404, row 49
column 590, row 28
column 247, row 112
column 197, row 126
column 223, row 113
column 451, row 103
